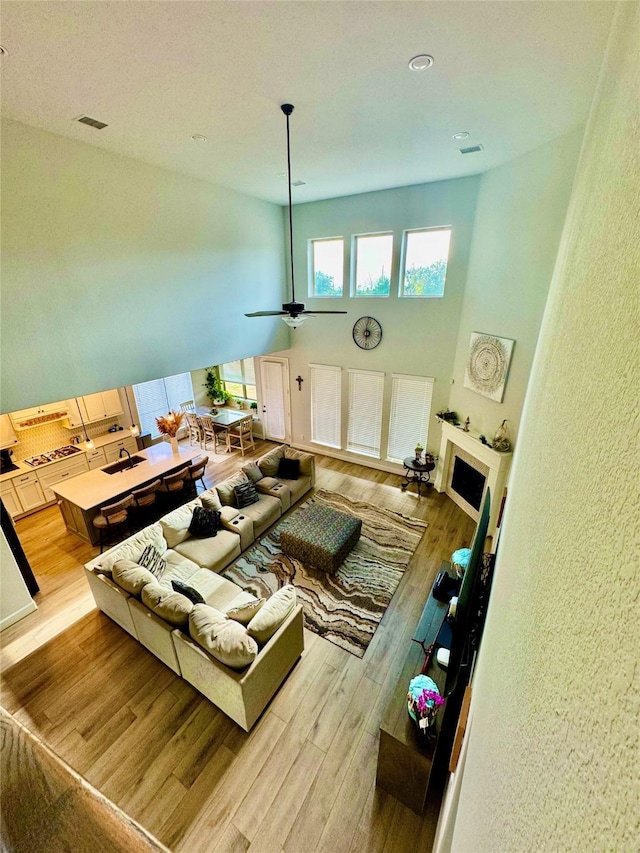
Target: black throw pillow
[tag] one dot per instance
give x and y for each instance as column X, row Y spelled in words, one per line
column 246, row 494
column 188, row 591
column 204, row 522
column 289, row 469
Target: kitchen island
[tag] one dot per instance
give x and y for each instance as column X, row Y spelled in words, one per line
column 81, row 497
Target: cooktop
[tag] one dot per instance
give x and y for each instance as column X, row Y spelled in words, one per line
column 52, row 455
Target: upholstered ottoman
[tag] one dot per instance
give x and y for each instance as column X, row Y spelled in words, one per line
column 320, row 536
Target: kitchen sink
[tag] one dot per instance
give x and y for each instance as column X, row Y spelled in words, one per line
column 123, row 464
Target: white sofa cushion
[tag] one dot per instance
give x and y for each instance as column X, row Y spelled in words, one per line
column 244, row 613
column 211, row 500
column 306, row 460
column 224, row 639
column 212, row 552
column 132, row 548
column 268, row 463
column 131, row 577
column 171, row 606
column 263, row 513
column 272, row 614
column 226, row 488
column 175, row 525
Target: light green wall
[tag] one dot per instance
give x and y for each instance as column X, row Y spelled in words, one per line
column 552, row 761
column 115, row 272
column 519, row 216
column 419, row 335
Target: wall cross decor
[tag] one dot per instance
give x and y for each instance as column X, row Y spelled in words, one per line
column 299, row 380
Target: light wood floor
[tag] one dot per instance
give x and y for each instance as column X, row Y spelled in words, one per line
column 302, row 780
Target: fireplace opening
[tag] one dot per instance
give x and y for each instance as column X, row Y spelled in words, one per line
column 467, row 482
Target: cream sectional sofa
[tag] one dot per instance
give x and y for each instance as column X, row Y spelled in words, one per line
column 241, row 694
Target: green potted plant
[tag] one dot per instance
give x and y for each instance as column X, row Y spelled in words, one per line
column 216, row 391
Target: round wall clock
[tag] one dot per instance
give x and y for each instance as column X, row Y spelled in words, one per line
column 367, row 332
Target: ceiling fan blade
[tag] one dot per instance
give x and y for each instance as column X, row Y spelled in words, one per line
column 323, row 312
column 267, row 314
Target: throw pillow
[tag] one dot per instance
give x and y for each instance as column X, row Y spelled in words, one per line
column 268, row 463
column 306, row 460
column 204, row 522
column 211, row 500
column 224, row 639
column 225, row 488
column 246, row 494
column 252, row 471
column 272, row 614
column 131, row 577
column 289, row 469
column 151, row 559
column 244, row 613
column 171, row 606
column 188, row 591
column 175, row 524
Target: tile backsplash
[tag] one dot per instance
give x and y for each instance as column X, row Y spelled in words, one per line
column 31, row 442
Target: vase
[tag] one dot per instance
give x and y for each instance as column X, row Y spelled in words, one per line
column 501, row 441
column 174, row 444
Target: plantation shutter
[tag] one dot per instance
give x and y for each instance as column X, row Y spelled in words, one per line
column 232, row 372
column 326, row 393
column 365, row 412
column 157, row 397
column 409, row 415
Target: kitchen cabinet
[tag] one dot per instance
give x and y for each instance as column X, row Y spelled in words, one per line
column 29, row 491
column 36, row 415
column 97, row 407
column 96, row 458
column 94, row 407
column 63, row 470
column 112, row 450
column 10, row 498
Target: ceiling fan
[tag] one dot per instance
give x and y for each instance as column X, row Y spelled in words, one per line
column 293, row 313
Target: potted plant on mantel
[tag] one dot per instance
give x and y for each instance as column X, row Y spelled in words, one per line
column 216, row 391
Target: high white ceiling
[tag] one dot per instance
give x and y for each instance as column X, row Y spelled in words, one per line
column 514, row 74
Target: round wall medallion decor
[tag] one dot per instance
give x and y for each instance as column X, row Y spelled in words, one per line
column 488, row 365
column 367, row 332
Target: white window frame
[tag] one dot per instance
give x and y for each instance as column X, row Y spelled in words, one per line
column 403, row 261
column 241, row 378
column 312, row 269
column 366, row 394
column 354, row 265
column 168, row 392
column 326, row 405
column 409, row 394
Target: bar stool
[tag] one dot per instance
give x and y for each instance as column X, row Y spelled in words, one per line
column 112, row 518
column 195, row 473
column 144, row 501
column 172, row 488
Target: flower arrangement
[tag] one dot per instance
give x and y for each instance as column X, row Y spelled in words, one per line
column 448, row 416
column 423, row 701
column 170, row 424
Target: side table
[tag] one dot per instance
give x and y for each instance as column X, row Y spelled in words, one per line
column 417, row 472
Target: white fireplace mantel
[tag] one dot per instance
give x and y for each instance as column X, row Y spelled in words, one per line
column 497, row 463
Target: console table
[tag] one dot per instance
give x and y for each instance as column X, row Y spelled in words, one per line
column 405, row 763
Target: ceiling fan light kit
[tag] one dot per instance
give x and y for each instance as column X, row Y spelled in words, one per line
column 293, row 313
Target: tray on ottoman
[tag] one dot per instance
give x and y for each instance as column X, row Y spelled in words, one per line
column 320, row 536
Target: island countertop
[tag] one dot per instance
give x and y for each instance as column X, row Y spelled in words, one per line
column 96, row 488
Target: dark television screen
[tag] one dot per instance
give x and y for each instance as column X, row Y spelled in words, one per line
column 461, row 624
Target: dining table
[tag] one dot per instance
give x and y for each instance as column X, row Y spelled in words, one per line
column 225, row 418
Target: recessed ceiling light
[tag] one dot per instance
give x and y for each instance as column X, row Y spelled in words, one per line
column 421, row 62
column 3, row 51
column 199, row 137
column 463, row 134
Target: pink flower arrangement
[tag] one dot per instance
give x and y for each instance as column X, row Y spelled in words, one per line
column 428, row 703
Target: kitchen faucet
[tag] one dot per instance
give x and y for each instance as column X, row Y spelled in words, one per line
column 124, row 450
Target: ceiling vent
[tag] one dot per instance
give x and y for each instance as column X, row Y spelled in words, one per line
column 472, row 149
column 92, row 122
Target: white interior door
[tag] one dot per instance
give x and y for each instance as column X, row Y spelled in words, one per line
column 276, row 409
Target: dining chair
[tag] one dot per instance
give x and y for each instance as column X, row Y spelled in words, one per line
column 173, row 487
column 194, row 427
column 111, row 519
column 144, row 503
column 188, row 406
column 196, row 472
column 240, row 435
column 213, row 432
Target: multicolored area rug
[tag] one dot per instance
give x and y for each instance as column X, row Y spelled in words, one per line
column 345, row 608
